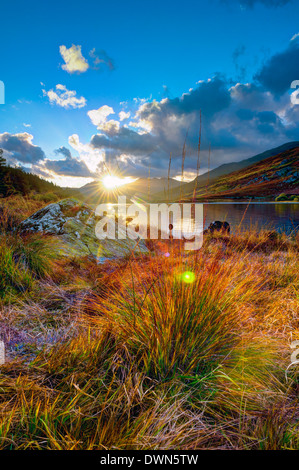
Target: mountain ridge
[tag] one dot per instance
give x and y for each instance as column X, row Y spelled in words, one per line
column 265, row 179
column 228, row 168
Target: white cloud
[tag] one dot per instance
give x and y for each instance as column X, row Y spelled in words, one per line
column 67, row 181
column 99, row 116
column 188, row 176
column 93, row 158
column 109, row 127
column 64, row 97
column 26, row 125
column 142, row 125
column 73, row 58
column 295, row 37
column 123, row 115
column 295, row 97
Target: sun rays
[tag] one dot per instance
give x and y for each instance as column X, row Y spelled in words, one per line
column 112, row 182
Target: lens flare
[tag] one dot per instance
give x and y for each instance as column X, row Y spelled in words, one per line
column 188, row 277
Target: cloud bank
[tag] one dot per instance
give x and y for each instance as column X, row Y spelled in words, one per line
column 18, row 148
column 281, row 69
column 238, row 121
column 69, row 166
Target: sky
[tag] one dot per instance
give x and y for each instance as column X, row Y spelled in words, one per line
column 98, row 86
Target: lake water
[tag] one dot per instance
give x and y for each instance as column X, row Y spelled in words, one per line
column 282, row 217
column 275, row 216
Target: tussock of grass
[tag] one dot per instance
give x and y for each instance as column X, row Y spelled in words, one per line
column 13, row 279
column 175, row 328
column 22, row 261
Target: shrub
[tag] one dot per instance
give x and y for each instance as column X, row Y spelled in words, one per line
column 282, row 197
column 47, row 197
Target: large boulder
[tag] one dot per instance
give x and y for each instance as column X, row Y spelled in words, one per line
column 218, row 226
column 74, row 225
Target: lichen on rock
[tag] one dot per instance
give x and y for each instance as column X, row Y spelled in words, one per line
column 73, row 223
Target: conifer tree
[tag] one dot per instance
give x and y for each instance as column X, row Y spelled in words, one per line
column 2, row 174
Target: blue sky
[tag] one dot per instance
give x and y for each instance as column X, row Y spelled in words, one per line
column 70, row 68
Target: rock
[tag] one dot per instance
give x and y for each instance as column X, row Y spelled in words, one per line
column 74, row 225
column 272, row 235
column 218, row 226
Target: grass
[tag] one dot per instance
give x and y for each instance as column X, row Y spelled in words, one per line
column 127, row 355
column 264, row 180
column 23, row 260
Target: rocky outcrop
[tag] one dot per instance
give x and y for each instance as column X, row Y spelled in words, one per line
column 74, row 225
column 218, row 226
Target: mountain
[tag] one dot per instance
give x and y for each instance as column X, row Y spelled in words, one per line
column 95, row 192
column 265, row 179
column 228, row 168
column 265, row 175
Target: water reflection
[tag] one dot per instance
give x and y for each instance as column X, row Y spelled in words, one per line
column 276, row 216
column 282, row 217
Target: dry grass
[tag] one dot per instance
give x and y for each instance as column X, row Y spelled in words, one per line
column 127, row 355
column 14, row 209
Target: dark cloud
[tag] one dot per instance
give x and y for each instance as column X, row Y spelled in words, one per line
column 280, row 70
column 210, row 97
column 245, row 114
column 64, row 151
column 100, row 58
column 236, row 56
column 19, row 148
column 238, row 121
column 268, row 122
column 238, row 52
column 126, row 141
column 69, row 166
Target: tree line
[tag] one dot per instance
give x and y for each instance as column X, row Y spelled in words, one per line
column 17, row 181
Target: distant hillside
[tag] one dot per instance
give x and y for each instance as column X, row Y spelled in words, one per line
column 17, row 181
column 95, row 192
column 226, row 169
column 263, row 180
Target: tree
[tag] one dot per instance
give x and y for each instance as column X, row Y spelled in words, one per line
column 2, row 174
column 2, row 159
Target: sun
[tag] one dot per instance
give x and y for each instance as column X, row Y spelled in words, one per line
column 113, row 182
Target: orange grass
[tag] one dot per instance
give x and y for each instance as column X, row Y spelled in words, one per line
column 127, row 355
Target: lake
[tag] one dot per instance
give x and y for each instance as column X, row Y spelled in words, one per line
column 283, row 216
